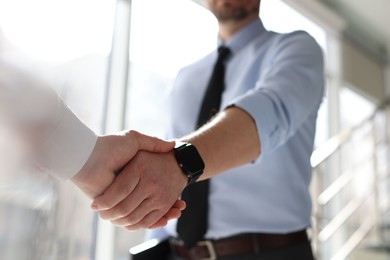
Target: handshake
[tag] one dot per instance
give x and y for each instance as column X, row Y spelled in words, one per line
column 134, row 180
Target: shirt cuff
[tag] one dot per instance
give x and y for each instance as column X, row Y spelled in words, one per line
column 69, row 146
column 258, row 107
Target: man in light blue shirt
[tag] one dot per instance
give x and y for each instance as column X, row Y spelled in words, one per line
column 256, row 150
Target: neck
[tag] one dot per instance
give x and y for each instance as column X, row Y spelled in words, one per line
column 229, row 27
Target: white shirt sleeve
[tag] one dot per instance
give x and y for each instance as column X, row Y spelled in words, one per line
column 68, row 146
column 62, row 142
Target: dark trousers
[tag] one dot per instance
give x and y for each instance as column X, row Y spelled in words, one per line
column 300, row 251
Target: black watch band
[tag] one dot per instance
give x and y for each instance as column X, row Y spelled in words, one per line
column 189, row 160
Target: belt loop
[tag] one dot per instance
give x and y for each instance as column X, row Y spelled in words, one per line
column 255, row 243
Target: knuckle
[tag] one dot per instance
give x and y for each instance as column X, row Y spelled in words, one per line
column 133, row 134
column 154, row 203
column 130, row 228
column 130, row 220
column 142, row 224
column 102, row 203
column 124, row 188
column 115, row 223
column 151, row 188
column 162, row 222
column 141, row 163
column 103, row 215
column 160, row 201
column 154, row 186
column 123, row 211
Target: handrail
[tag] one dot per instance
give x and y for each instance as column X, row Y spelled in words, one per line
column 329, row 147
column 341, row 218
column 335, row 187
column 325, row 229
column 354, row 240
column 325, row 150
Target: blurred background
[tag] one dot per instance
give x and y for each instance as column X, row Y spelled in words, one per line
column 113, row 61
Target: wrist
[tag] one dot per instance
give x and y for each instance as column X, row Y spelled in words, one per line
column 81, row 181
column 175, row 169
column 92, row 179
column 189, row 161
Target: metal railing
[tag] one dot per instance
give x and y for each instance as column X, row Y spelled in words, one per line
column 349, row 187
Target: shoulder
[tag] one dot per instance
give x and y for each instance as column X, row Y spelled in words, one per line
column 300, row 41
column 292, row 46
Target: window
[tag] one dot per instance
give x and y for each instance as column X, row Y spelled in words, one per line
column 67, row 42
column 159, row 47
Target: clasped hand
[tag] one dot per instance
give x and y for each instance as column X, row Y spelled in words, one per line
column 146, row 191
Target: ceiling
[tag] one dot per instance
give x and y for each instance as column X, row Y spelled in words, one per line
column 368, row 21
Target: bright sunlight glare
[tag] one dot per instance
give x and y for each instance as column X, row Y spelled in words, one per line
column 58, row 30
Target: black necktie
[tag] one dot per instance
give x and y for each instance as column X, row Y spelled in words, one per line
column 192, row 225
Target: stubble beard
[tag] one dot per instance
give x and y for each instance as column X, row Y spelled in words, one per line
column 235, row 15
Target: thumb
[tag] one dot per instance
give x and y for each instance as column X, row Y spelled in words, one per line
column 152, row 144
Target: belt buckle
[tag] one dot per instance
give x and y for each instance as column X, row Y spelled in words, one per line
column 210, row 249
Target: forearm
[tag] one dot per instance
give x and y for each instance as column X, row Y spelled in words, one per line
column 229, row 140
column 60, row 141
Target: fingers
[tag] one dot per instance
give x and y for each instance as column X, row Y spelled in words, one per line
column 179, row 204
column 139, row 216
column 120, row 189
column 173, row 213
column 138, row 209
column 162, row 222
column 145, row 193
column 110, row 155
column 129, row 211
column 142, row 218
column 147, row 221
column 152, row 144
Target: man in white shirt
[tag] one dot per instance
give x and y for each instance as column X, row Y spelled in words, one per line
column 59, row 141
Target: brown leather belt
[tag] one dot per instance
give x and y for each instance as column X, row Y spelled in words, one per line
column 237, row 245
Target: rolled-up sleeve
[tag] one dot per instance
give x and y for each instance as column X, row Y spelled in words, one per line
column 290, row 89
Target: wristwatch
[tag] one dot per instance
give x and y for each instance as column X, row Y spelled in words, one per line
column 189, row 160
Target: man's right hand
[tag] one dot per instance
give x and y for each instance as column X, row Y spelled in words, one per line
column 110, row 154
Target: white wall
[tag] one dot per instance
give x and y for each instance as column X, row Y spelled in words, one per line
column 362, row 72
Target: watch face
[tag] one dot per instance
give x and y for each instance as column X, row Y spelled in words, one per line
column 190, row 160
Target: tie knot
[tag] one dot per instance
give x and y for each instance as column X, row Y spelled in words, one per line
column 223, row 53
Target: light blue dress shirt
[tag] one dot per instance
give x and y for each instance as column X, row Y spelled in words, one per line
column 279, row 80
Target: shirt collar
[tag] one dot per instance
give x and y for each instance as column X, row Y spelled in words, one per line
column 244, row 36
